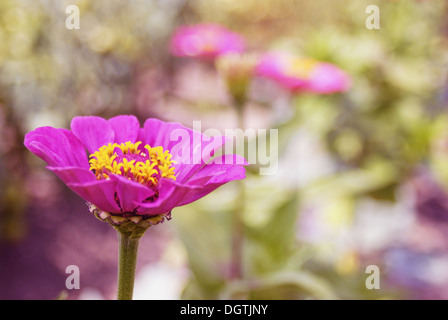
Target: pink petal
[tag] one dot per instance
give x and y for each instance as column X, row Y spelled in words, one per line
column 57, row 147
column 170, row 194
column 126, row 128
column 156, row 133
column 73, row 174
column 185, row 145
column 188, row 166
column 327, row 78
column 93, row 132
column 129, row 192
column 212, row 176
column 205, row 40
column 100, row 192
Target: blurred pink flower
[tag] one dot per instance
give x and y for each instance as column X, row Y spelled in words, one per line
column 300, row 74
column 205, row 40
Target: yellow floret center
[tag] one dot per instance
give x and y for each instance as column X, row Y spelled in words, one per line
column 145, row 165
column 302, row 67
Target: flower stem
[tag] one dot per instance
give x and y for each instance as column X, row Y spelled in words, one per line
column 238, row 235
column 127, row 264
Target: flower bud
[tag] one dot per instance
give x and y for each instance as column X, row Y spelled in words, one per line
column 237, row 70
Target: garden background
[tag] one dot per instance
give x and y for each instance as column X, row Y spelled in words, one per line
column 362, row 175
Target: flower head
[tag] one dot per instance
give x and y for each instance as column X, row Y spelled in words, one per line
column 303, row 74
column 205, row 40
column 237, row 70
column 129, row 174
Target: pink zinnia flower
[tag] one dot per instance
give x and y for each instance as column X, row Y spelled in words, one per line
column 205, row 40
column 127, row 172
column 303, row 74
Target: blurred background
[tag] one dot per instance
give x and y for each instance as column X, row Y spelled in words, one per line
column 362, row 176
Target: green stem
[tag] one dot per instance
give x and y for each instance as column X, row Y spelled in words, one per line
column 238, row 234
column 127, row 264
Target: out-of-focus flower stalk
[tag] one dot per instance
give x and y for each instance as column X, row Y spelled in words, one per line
column 237, row 70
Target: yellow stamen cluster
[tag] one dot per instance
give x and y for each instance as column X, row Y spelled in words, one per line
column 145, row 165
column 302, row 67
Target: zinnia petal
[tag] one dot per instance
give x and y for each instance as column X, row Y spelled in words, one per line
column 171, row 194
column 327, row 78
column 299, row 74
column 212, row 176
column 100, row 192
column 125, row 127
column 73, row 174
column 188, row 165
column 57, row 147
column 93, row 131
column 156, row 132
column 205, row 40
column 129, row 192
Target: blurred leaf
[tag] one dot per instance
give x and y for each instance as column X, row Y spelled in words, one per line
column 384, row 193
column 273, row 242
column 296, row 284
column 281, row 285
column 379, row 173
column 206, row 239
